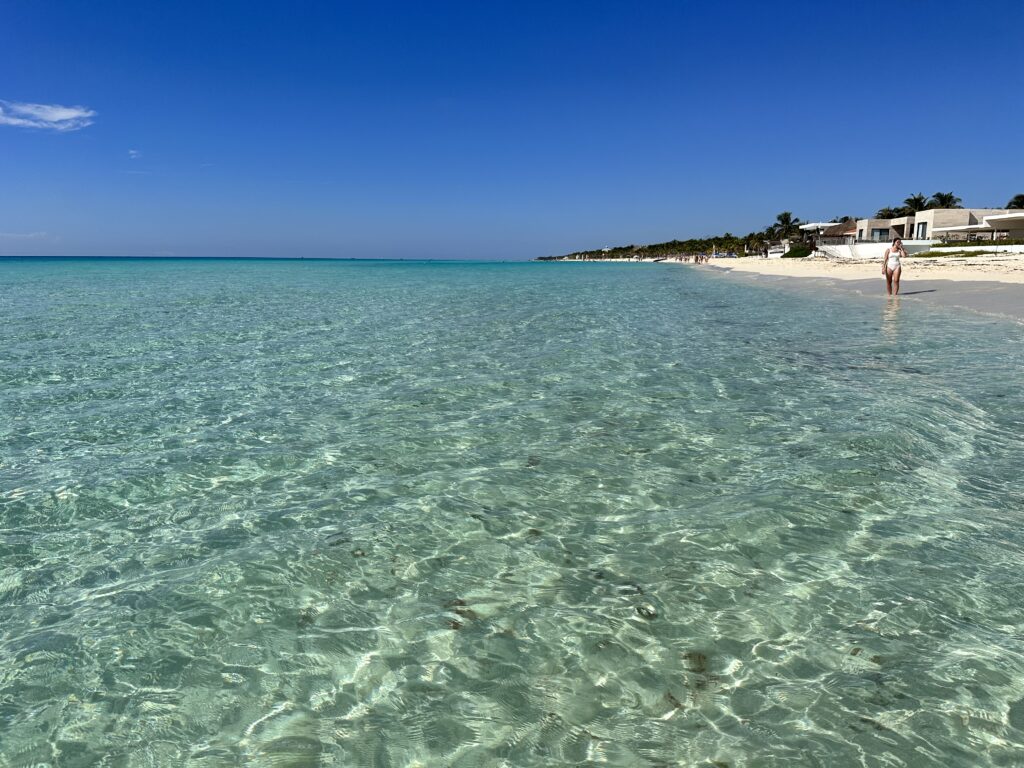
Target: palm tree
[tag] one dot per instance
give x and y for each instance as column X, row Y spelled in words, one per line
column 786, row 225
column 916, row 203
column 757, row 242
column 1016, row 202
column 944, row 200
column 888, row 213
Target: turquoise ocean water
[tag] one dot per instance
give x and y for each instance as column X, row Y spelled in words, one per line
column 407, row 514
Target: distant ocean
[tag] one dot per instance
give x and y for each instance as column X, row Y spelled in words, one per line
column 468, row 514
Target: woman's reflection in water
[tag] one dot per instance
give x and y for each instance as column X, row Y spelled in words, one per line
column 890, row 318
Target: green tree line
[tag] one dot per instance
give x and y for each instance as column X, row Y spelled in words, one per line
column 919, row 202
column 786, row 225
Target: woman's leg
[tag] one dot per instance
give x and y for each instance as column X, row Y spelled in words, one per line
column 896, row 279
column 888, row 281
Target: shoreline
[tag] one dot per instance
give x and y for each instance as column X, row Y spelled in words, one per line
column 989, row 285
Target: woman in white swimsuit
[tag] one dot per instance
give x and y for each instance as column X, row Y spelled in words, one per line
column 891, row 266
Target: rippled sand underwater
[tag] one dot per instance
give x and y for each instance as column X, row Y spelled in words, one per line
column 305, row 514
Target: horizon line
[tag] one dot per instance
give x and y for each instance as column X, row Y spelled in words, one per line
column 69, row 257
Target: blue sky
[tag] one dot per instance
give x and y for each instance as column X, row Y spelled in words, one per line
column 488, row 130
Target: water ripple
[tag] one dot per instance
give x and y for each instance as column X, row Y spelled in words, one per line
column 309, row 514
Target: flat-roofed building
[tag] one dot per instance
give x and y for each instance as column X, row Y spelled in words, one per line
column 880, row 230
column 930, row 224
column 991, row 224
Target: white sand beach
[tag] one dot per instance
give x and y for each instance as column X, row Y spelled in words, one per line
column 1003, row 268
column 991, row 284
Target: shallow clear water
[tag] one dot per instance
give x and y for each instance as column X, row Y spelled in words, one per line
column 301, row 513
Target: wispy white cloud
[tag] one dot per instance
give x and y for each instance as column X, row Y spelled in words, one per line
column 134, row 154
column 52, row 117
column 23, row 235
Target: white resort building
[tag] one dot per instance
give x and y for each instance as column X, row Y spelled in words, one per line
column 997, row 225
column 920, row 231
column 945, row 224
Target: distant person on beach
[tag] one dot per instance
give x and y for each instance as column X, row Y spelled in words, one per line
column 892, row 267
